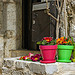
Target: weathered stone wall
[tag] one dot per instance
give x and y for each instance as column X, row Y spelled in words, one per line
column 12, row 21
column 10, row 27
column 12, row 66
column 1, row 50
column 1, row 18
column 70, row 8
column 71, row 16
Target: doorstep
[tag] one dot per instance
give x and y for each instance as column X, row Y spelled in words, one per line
column 12, row 66
column 17, row 53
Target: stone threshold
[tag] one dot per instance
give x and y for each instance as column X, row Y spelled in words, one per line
column 22, row 52
column 12, row 66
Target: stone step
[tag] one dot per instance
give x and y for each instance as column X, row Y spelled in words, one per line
column 17, row 53
column 20, row 67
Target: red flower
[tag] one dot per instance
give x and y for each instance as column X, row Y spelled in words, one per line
column 36, row 57
column 39, row 55
column 64, row 42
column 30, row 57
column 48, row 39
column 23, row 57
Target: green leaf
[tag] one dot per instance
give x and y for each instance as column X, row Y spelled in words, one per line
column 64, row 37
column 55, row 41
column 44, row 42
column 68, row 38
column 51, row 43
column 74, row 46
column 39, row 42
column 72, row 40
column 28, row 60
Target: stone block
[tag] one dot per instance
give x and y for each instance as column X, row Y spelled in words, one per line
column 51, row 68
column 6, row 73
column 10, row 63
column 6, row 70
column 73, row 4
column 8, row 0
column 1, row 58
column 1, row 43
column 27, row 73
column 67, row 66
column 17, row 73
column 20, row 64
column 1, row 53
column 37, row 68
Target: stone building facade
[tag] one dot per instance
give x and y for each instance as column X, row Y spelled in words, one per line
column 11, row 25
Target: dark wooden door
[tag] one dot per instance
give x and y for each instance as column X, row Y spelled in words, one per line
column 36, row 25
column 40, row 26
column 27, row 23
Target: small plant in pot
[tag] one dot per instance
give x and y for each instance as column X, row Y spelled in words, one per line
column 65, row 47
column 73, row 56
column 48, row 48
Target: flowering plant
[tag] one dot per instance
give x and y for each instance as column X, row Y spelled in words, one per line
column 64, row 41
column 47, row 41
column 31, row 57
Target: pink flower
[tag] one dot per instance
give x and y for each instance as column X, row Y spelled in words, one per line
column 30, row 54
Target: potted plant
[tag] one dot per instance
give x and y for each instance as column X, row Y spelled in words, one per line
column 65, row 47
column 73, row 56
column 48, row 48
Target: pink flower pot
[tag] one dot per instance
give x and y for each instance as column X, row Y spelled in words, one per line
column 48, row 53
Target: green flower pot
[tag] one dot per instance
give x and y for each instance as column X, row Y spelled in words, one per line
column 64, row 53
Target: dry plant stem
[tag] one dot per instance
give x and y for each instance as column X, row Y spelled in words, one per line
column 57, row 25
column 59, row 8
column 61, row 5
column 57, row 28
column 65, row 20
column 48, row 11
column 58, row 3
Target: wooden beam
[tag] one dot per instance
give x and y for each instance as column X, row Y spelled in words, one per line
column 40, row 6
